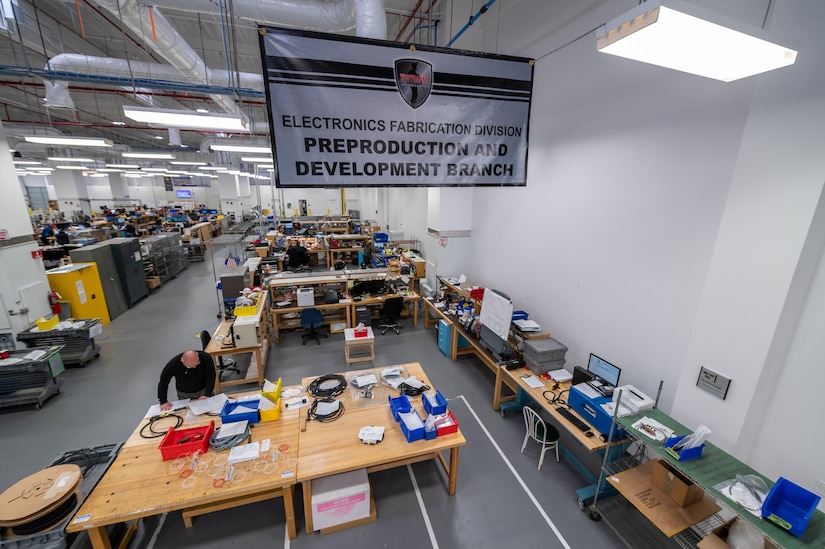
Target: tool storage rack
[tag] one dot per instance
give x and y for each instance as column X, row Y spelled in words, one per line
column 30, row 381
column 79, row 347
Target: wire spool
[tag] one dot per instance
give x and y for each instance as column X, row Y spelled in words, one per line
column 41, row 500
column 326, row 386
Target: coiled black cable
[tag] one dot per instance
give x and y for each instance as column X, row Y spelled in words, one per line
column 312, row 412
column 156, row 419
column 225, row 443
column 411, row 391
column 555, row 399
column 323, row 386
column 49, row 519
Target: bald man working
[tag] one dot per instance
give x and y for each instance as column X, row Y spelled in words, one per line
column 194, row 374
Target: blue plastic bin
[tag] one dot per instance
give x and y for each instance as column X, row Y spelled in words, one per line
column 440, row 406
column 399, row 405
column 250, row 412
column 790, row 506
column 684, row 455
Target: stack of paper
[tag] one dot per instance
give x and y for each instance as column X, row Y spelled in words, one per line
column 527, row 325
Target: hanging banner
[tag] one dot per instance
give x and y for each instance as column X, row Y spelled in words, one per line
column 350, row 111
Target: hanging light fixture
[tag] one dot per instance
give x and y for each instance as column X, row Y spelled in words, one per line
column 687, row 38
column 171, row 118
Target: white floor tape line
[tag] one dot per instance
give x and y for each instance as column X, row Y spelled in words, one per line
column 523, row 484
column 154, row 538
column 420, row 499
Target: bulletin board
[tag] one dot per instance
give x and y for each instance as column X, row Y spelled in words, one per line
column 497, row 313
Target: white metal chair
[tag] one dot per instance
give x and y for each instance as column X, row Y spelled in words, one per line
column 538, row 430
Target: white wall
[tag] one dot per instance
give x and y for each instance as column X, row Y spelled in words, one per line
column 611, row 243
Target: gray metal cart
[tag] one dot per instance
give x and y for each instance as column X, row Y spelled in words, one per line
column 30, row 376
column 79, row 347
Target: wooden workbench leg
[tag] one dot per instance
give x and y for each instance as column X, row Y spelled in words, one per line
column 415, row 312
column 426, row 317
column 99, row 538
column 258, row 361
column 453, row 475
column 289, row 510
column 454, row 343
column 307, row 486
column 497, row 390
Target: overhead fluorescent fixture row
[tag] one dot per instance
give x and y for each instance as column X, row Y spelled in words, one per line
column 156, row 156
column 69, row 159
column 123, row 166
column 241, row 148
column 185, row 163
column 680, row 36
column 171, row 118
column 26, row 162
column 257, row 159
column 68, row 141
column 84, row 168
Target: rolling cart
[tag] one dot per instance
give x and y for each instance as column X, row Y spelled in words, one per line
column 78, row 341
column 30, row 376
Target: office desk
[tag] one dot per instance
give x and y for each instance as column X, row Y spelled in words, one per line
column 255, row 373
column 279, row 323
column 379, row 300
column 326, row 449
column 140, row 484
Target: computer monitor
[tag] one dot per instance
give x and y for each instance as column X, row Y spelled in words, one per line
column 367, row 287
column 602, row 369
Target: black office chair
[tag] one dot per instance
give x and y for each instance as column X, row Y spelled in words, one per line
column 224, row 364
column 311, row 319
column 391, row 314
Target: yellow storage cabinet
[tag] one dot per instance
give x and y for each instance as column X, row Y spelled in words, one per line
column 79, row 284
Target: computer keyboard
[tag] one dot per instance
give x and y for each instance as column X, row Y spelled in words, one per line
column 568, row 415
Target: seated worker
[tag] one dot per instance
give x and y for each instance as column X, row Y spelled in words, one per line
column 368, row 249
column 48, row 231
column 194, row 374
column 297, row 255
column 85, row 219
column 129, row 230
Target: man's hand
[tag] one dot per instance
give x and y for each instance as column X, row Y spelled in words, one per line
column 166, row 406
column 202, row 397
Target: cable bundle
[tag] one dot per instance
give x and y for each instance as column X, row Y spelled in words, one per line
column 324, row 418
column 327, row 386
column 156, row 419
column 411, row 391
column 225, row 443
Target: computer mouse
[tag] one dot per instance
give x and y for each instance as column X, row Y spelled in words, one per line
column 588, row 434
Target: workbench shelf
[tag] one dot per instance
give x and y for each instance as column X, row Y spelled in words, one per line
column 714, row 467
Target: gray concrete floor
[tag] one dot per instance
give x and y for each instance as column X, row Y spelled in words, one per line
column 502, row 499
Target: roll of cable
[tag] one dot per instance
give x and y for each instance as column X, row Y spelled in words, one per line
column 153, row 433
column 329, row 385
column 325, row 410
column 226, row 443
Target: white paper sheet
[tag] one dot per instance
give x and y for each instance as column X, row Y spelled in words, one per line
column 244, row 452
column 212, row 404
column 231, row 429
column 533, row 381
column 154, row 409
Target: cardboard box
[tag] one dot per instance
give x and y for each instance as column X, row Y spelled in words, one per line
column 339, row 499
column 718, row 537
column 637, row 486
column 674, row 484
column 152, row 282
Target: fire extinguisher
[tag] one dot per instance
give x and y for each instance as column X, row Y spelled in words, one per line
column 54, row 301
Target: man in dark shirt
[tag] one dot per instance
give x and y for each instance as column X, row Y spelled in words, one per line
column 297, row 255
column 194, row 373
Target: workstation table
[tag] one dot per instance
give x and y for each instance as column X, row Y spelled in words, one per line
column 371, row 301
column 345, row 245
column 140, row 484
column 215, row 349
column 326, row 449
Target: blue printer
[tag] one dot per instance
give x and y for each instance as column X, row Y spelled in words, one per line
column 590, row 408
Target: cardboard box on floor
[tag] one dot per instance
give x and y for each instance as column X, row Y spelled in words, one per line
column 718, row 537
column 638, row 486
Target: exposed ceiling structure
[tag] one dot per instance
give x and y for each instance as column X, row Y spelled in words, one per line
column 70, row 66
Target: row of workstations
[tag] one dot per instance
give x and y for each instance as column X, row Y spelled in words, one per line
column 673, row 525
column 337, row 294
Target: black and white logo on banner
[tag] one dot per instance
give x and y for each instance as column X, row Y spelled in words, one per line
column 414, row 79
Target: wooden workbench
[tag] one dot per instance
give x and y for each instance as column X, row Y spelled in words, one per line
column 140, row 484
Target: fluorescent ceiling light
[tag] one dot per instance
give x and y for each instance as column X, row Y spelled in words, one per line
column 97, row 175
column 158, row 156
column 171, row 118
column 241, row 148
column 184, row 163
column 257, row 159
column 266, row 167
column 684, row 37
column 69, row 159
column 154, row 169
column 86, row 168
column 124, row 166
column 68, row 141
column 110, row 170
column 26, row 162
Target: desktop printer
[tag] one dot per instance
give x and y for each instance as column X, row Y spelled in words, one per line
column 633, row 398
